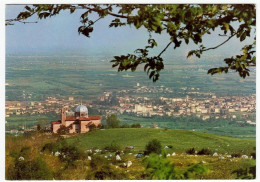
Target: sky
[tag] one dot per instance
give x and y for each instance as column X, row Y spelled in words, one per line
column 59, row 36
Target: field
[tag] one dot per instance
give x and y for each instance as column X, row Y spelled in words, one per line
column 28, row 121
column 98, row 139
column 181, row 140
column 219, row 127
column 88, row 77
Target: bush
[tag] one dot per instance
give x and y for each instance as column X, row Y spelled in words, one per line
column 49, row 147
column 102, row 170
column 136, row 125
column 125, row 126
column 204, row 151
column 153, row 146
column 160, row 168
column 253, row 155
column 30, row 170
column 113, row 147
column 191, row 151
column 92, row 127
column 247, row 173
column 63, row 130
column 195, row 170
column 236, row 155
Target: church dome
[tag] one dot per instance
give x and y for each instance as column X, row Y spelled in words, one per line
column 81, row 109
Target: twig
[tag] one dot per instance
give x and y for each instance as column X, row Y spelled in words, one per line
column 164, row 49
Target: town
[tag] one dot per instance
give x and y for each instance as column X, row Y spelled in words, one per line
column 129, row 101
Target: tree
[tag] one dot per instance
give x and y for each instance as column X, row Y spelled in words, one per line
column 38, row 127
column 153, row 146
column 112, row 121
column 63, row 130
column 182, row 22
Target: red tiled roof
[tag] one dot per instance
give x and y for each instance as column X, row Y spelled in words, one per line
column 56, row 122
column 73, row 118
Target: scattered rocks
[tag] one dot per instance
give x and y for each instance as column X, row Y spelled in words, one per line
column 21, row 158
column 89, row 158
column 215, row 154
column 105, row 156
column 98, row 150
column 173, row 154
column 203, row 162
column 129, row 163
column 57, row 154
column 244, row 157
column 130, row 153
column 168, row 155
column 221, row 158
column 129, row 147
column 139, row 155
column 118, row 158
column 229, row 156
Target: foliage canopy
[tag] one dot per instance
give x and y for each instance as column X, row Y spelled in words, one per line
column 112, row 121
column 182, row 22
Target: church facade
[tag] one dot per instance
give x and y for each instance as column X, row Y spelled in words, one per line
column 77, row 123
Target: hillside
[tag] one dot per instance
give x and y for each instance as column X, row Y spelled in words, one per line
column 47, row 153
column 181, row 140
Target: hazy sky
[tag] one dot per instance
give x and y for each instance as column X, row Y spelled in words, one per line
column 59, row 35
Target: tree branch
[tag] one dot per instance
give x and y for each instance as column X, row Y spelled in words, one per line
column 164, row 49
column 220, row 44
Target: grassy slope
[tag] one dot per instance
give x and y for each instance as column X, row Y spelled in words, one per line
column 181, row 140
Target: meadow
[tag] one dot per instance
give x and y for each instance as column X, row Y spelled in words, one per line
column 30, row 147
column 181, row 140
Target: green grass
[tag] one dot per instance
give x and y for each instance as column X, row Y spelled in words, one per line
column 16, row 121
column 181, row 140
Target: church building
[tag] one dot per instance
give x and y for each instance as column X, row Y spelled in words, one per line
column 77, row 123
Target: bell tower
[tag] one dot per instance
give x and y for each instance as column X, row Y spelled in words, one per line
column 63, row 116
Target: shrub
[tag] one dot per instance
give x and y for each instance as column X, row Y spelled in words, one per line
column 136, row 125
column 30, row 170
column 102, row 170
column 97, row 162
column 63, row 130
column 236, row 155
column 125, row 126
column 204, row 151
column 195, row 170
column 92, row 127
column 69, row 154
column 191, row 151
column 247, row 173
column 153, row 146
column 113, row 147
column 160, row 168
column 50, row 147
column 253, row 155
